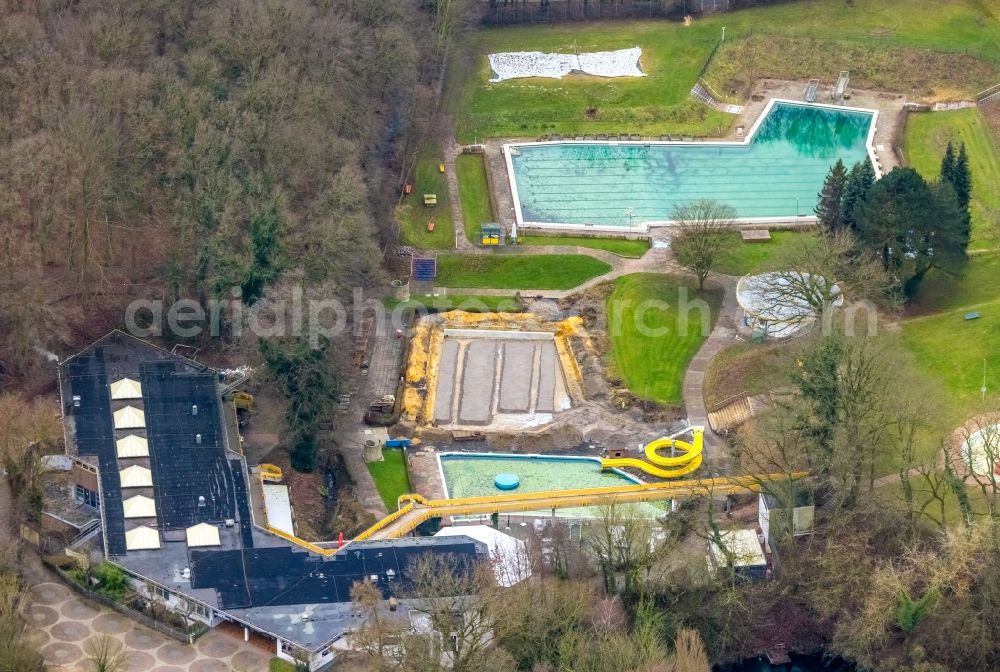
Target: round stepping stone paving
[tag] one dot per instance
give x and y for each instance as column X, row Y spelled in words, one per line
column 249, row 661
column 78, row 611
column 41, row 616
column 37, row 639
column 61, row 653
column 166, row 668
column 70, row 631
column 175, row 653
column 143, row 639
column 111, row 624
column 49, row 593
column 217, row 645
column 139, row 662
column 209, row 665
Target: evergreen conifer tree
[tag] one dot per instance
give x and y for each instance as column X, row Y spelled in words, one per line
column 829, row 210
column 962, row 178
column 859, row 183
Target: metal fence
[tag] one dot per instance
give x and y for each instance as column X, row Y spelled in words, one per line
column 145, row 619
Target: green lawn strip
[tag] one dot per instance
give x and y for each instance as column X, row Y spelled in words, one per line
column 471, row 304
column 952, row 351
column 872, row 38
column 977, row 285
column 928, row 134
column 551, row 271
column 742, row 258
column 391, row 477
column 633, row 249
column 413, row 215
column 656, row 326
column 474, row 193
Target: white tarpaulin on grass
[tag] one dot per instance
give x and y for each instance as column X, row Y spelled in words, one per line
column 515, row 64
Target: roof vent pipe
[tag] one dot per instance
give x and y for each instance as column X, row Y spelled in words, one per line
column 201, row 501
column 197, row 439
column 194, row 409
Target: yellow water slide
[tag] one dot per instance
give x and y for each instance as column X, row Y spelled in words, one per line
column 685, row 463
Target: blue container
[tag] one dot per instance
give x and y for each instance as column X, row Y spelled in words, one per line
column 397, row 443
column 506, row 481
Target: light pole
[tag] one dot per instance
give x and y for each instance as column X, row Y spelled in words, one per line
column 630, row 213
column 797, row 207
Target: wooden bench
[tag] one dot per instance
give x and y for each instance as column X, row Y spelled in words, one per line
column 755, row 235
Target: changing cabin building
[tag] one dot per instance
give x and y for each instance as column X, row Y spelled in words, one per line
column 151, row 447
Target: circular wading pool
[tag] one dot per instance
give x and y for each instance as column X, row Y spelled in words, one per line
column 506, row 481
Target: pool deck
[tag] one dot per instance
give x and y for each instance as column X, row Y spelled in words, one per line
column 888, row 105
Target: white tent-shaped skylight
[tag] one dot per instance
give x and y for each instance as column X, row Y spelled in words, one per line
column 203, row 534
column 132, row 446
column 136, row 477
column 126, row 388
column 142, row 538
column 139, row 507
column 129, row 417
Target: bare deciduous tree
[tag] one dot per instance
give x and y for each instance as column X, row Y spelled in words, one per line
column 106, row 654
column 704, row 236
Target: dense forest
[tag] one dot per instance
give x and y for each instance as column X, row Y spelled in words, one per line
column 183, row 148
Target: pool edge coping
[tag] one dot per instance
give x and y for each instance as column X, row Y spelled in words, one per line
column 643, row 227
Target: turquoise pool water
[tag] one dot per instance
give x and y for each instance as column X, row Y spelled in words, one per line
column 473, row 476
column 598, row 183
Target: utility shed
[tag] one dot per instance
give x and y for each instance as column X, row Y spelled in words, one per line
column 741, row 550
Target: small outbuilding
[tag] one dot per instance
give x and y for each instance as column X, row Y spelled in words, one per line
column 490, row 234
column 740, row 550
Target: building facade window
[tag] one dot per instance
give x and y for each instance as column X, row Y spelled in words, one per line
column 87, row 496
column 161, row 593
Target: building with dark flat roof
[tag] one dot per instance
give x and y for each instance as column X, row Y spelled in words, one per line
column 175, row 513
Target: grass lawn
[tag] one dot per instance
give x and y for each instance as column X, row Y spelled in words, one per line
column 926, row 138
column 471, row 304
column 474, row 192
column 748, row 368
column 632, row 249
column 659, row 103
column 743, row 258
column 391, row 477
column 873, row 38
column 953, row 351
column 553, row 271
column 653, row 343
column 413, row 215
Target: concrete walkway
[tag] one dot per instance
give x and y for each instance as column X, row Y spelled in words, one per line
column 723, row 335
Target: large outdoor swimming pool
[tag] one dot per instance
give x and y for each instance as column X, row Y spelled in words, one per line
column 776, row 173
column 470, row 475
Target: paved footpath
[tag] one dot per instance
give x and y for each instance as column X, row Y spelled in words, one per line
column 722, row 336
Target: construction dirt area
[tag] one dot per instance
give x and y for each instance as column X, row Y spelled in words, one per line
column 500, row 371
